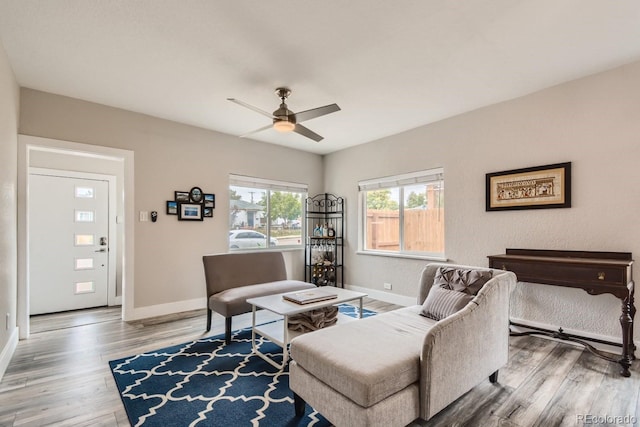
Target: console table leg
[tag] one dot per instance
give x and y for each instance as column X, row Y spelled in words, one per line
column 626, row 322
column 632, row 313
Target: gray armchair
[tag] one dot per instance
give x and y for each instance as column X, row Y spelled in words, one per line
column 232, row 278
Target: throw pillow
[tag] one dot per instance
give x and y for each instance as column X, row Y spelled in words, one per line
column 442, row 302
column 467, row 281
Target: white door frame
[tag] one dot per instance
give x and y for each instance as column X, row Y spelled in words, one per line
column 112, row 297
column 28, row 144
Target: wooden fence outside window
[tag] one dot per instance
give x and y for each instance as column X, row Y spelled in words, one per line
column 423, row 230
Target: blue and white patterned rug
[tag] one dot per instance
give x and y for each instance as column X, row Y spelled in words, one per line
column 207, row 383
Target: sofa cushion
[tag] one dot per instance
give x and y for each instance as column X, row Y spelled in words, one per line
column 369, row 359
column 462, row 280
column 234, row 301
column 441, row 302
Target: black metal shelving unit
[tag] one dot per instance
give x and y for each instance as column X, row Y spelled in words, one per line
column 324, row 254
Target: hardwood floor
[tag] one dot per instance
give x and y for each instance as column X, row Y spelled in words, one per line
column 60, row 376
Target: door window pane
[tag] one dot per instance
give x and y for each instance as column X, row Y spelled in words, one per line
column 85, row 192
column 84, row 216
column 84, row 239
column 84, row 263
column 84, row 287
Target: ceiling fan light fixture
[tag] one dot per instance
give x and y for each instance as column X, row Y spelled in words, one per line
column 284, row 126
column 285, row 120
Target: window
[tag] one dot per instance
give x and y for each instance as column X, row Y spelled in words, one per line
column 84, row 192
column 84, row 264
column 84, row 288
column 84, row 239
column 84, row 216
column 264, row 213
column 404, row 214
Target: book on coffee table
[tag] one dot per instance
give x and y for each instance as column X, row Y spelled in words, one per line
column 309, row 296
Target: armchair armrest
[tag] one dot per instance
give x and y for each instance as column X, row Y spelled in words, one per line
column 463, row 349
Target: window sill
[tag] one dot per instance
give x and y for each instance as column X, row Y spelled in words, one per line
column 406, row 256
column 275, row 249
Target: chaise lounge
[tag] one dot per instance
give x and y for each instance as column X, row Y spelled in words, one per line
column 395, row 367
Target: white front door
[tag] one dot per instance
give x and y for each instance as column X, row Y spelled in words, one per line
column 68, row 243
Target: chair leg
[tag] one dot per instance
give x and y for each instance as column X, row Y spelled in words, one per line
column 493, row 378
column 209, row 315
column 299, row 405
column 227, row 330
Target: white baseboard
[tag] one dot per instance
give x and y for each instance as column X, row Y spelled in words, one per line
column 384, row 296
column 7, row 352
column 585, row 334
column 169, row 308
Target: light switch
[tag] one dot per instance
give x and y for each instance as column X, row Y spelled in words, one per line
column 144, row 216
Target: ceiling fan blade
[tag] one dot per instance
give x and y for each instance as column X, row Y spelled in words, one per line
column 251, row 107
column 256, row 131
column 316, row 112
column 307, row 132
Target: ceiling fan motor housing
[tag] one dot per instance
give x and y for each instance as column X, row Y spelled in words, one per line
column 283, row 114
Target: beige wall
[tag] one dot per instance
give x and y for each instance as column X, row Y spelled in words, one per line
column 9, row 112
column 168, row 157
column 593, row 122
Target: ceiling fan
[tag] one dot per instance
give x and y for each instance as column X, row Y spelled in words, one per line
column 285, row 120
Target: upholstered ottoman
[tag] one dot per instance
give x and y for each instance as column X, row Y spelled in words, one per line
column 369, row 367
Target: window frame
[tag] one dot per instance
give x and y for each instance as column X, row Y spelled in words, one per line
column 268, row 186
column 399, row 182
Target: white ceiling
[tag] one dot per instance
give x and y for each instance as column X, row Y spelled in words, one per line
column 390, row 65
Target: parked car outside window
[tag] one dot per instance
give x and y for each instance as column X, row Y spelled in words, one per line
column 295, row 224
column 248, row 239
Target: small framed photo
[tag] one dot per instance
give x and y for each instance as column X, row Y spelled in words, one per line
column 210, row 201
column 172, row 207
column 208, row 213
column 181, row 196
column 539, row 187
column 189, row 212
column 195, row 195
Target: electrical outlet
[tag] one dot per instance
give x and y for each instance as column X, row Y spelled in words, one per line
column 387, row 286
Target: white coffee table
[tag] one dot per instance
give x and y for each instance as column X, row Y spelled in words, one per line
column 278, row 332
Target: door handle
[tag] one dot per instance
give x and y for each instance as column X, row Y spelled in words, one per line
column 101, row 250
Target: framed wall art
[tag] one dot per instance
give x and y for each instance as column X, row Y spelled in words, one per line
column 190, row 212
column 195, row 195
column 172, row 207
column 192, row 205
column 210, row 201
column 539, row 187
column 181, row 196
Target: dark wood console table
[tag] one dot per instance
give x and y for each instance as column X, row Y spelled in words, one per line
column 595, row 272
